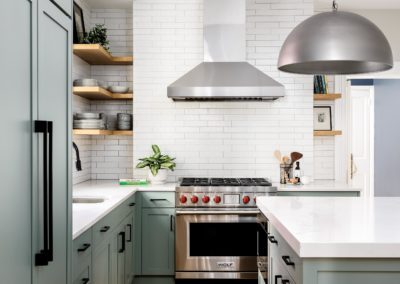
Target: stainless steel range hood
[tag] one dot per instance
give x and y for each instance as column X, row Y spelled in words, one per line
column 225, row 74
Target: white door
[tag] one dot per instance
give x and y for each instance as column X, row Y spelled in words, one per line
column 361, row 172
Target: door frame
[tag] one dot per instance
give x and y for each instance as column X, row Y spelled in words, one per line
column 371, row 89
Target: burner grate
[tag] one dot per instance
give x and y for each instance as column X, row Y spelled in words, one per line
column 225, row 182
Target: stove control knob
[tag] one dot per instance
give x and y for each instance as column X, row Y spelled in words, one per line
column 183, row 199
column 194, row 199
column 217, row 199
column 246, row 199
column 205, row 199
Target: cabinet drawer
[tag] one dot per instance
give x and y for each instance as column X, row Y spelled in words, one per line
column 84, row 275
column 103, row 229
column 158, row 199
column 287, row 257
column 279, row 274
column 82, row 252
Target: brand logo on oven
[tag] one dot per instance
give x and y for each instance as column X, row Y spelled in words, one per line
column 225, row 265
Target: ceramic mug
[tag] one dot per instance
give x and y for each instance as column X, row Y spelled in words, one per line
column 305, row 179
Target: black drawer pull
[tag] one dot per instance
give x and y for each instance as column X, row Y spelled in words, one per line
column 85, row 280
column 122, row 235
column 158, row 199
column 285, row 281
column 272, row 239
column 84, row 247
column 105, row 229
column 287, row 261
column 132, row 204
column 277, row 277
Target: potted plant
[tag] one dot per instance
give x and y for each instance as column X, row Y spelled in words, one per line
column 98, row 34
column 158, row 165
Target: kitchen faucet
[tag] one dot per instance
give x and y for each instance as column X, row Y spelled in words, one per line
column 78, row 163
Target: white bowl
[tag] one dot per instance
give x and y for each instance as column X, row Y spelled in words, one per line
column 118, row 89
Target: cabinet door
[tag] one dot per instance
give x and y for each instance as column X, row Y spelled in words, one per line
column 158, row 247
column 15, row 161
column 53, row 103
column 119, row 254
column 129, row 265
column 102, row 264
column 64, row 5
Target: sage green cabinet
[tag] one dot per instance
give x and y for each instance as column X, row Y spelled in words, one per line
column 296, row 270
column 158, row 241
column 35, row 75
column 102, row 263
column 110, row 244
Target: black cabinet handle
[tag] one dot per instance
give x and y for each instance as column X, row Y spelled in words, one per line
column 272, row 239
column 84, row 247
column 122, row 235
column 85, row 280
column 171, row 223
column 132, row 204
column 285, row 281
column 287, row 261
column 105, row 229
column 46, row 254
column 50, row 130
column 130, row 233
column 158, row 199
column 277, row 277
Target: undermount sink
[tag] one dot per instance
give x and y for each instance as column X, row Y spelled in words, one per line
column 87, row 199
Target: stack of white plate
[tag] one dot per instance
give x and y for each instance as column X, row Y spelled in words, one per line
column 90, row 120
column 124, row 121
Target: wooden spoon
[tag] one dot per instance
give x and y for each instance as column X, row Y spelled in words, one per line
column 295, row 156
column 286, row 160
column 278, row 156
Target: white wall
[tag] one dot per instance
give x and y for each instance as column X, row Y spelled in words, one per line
column 218, row 138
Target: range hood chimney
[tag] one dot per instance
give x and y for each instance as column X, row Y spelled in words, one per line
column 225, row 75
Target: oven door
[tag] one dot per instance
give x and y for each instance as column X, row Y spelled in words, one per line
column 221, row 244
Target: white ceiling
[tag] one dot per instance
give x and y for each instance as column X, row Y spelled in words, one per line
column 110, row 4
column 358, row 4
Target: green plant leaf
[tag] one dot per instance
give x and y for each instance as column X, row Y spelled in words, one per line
column 156, row 149
column 142, row 165
column 154, row 169
column 167, row 165
column 157, row 155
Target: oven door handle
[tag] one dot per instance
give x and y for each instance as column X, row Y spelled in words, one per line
column 217, row 212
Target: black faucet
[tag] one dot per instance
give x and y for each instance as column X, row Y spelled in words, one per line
column 78, row 163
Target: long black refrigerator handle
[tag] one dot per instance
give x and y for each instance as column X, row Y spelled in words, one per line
column 41, row 258
column 50, row 130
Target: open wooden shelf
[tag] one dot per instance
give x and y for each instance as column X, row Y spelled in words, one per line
column 327, row 132
column 102, row 132
column 95, row 54
column 327, row 97
column 98, row 93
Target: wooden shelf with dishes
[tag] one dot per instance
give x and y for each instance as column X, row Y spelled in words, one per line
column 327, row 132
column 102, row 132
column 327, row 97
column 95, row 54
column 98, row 93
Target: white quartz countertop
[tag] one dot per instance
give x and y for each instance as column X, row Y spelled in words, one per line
column 85, row 215
column 321, row 185
column 336, row 227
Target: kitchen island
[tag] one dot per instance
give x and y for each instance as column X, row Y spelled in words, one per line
column 333, row 240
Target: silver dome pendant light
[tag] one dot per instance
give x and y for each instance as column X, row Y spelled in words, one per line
column 335, row 42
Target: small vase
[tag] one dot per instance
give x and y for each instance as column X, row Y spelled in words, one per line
column 160, row 178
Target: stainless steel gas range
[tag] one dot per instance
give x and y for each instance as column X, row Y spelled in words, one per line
column 217, row 231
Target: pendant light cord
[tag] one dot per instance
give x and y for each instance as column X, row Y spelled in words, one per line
column 335, row 5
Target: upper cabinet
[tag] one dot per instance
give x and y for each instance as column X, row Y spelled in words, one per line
column 64, row 5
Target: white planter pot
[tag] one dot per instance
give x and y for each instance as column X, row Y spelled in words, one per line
column 160, row 178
